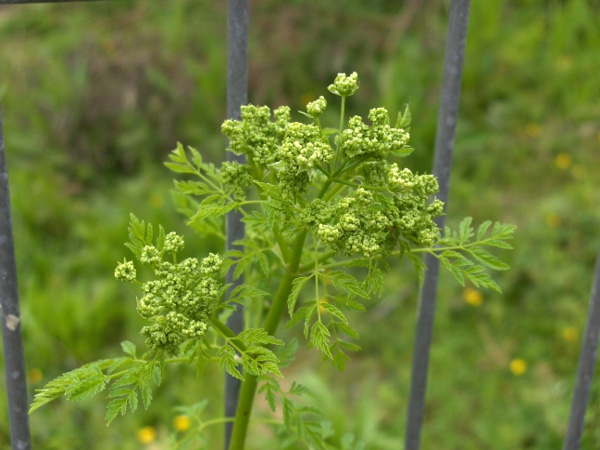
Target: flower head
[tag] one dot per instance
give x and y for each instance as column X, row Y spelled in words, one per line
column 344, row 85
column 518, row 366
column 125, row 271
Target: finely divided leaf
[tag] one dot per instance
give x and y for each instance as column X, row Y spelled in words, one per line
column 319, row 337
column 258, row 336
column 297, row 286
column 346, row 283
column 129, row 348
column 487, row 258
column 80, row 383
column 228, row 361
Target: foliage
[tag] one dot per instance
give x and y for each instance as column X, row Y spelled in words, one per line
column 323, row 199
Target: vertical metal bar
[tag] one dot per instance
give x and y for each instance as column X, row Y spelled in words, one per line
column 444, row 145
column 14, row 360
column 237, row 95
column 587, row 364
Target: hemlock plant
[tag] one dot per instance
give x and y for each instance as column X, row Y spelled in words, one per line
column 321, row 205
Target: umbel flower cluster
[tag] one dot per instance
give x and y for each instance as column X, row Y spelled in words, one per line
column 180, row 300
column 383, row 204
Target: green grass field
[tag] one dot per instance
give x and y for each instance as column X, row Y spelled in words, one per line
column 95, row 95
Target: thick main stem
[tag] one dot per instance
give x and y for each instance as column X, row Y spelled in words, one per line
column 248, row 390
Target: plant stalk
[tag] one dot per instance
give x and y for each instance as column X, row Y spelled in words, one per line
column 248, row 389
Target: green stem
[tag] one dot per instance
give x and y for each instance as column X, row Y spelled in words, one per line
column 248, row 389
column 339, row 146
column 228, row 334
column 323, row 258
column 285, row 253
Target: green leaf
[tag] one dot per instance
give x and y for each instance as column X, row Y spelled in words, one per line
column 403, row 152
column 299, row 315
column 212, row 211
column 418, row 264
column 90, row 383
column 297, row 286
column 264, row 264
column 118, row 405
column 482, row 229
column 334, row 311
column 465, row 230
column 258, row 336
column 457, row 258
column 228, row 361
column 404, row 119
column 129, row 348
column 271, row 389
column 347, row 283
column 453, row 269
column 347, row 330
column 245, row 291
column 319, row 337
column 80, row 383
column 488, row 259
column 329, row 131
column 287, row 354
column 498, row 243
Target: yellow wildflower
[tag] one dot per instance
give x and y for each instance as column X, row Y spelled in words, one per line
column 518, row 366
column 570, row 334
column 146, row 435
column 182, row 423
column 472, row 296
column 563, row 161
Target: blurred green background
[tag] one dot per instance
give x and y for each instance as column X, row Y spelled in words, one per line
column 94, row 96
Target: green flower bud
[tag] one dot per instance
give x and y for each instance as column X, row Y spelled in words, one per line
column 344, row 85
column 125, row 271
column 173, row 242
column 317, row 107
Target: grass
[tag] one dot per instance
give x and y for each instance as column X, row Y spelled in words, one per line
column 97, row 94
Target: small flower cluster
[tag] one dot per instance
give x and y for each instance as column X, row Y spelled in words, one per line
column 237, row 178
column 370, row 222
column 344, row 85
column 256, row 135
column 301, row 151
column 180, row 300
column 316, row 108
column 375, row 141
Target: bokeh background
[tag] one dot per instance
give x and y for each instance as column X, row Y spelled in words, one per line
column 95, row 95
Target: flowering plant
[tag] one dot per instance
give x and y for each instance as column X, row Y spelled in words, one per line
column 321, row 206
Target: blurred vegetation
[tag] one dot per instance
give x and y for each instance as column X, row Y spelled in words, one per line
column 95, row 95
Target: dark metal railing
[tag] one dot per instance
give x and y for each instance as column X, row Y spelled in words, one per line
column 14, row 359
column 237, row 95
column 587, row 364
column 444, row 146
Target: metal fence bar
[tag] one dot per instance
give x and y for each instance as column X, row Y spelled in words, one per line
column 14, row 359
column 237, row 95
column 587, row 364
column 444, row 145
